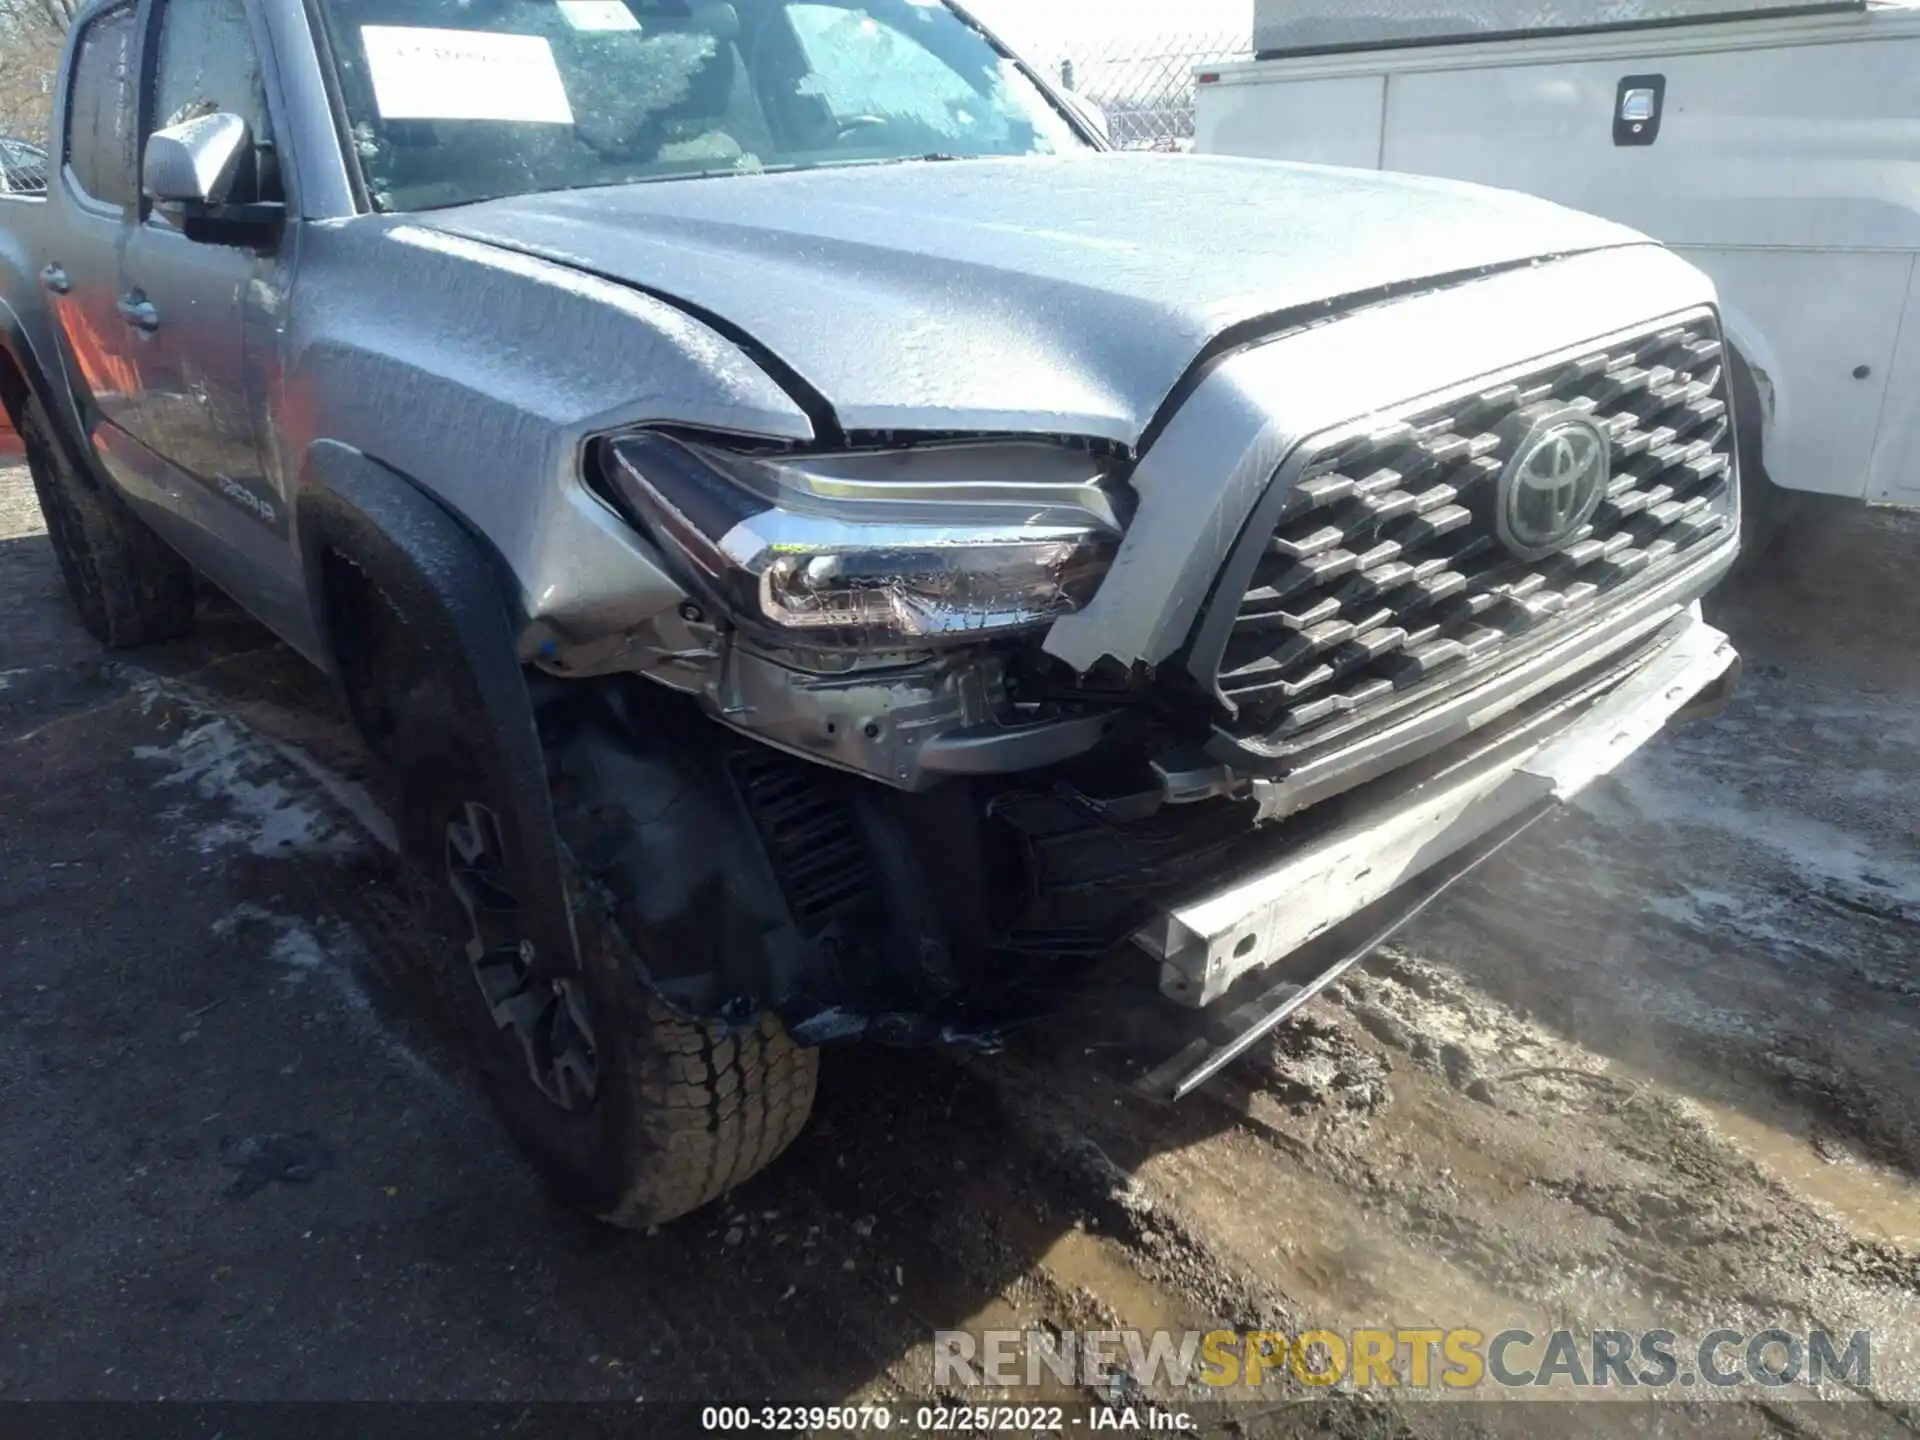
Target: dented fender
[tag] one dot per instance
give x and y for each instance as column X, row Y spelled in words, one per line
column 484, row 376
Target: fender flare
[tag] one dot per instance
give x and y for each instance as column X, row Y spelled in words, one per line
column 17, row 343
column 19, row 349
column 445, row 582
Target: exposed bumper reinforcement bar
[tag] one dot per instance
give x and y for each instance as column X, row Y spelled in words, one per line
column 1330, row 901
column 1315, row 966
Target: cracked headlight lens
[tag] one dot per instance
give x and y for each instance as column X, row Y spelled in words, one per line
column 877, row 549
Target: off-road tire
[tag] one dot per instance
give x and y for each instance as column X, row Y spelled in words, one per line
column 711, row 1108
column 685, row 1110
column 129, row 586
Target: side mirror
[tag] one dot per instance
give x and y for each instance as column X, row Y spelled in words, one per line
column 1090, row 114
column 191, row 170
column 194, row 163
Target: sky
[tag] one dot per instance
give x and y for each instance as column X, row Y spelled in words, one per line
column 1047, row 24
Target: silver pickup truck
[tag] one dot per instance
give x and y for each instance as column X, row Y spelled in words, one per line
column 828, row 549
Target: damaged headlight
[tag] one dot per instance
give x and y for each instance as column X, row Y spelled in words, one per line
column 877, row 549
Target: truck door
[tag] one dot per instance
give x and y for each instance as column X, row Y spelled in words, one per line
column 97, row 192
column 206, row 319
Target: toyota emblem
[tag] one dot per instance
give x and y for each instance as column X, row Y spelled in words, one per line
column 1555, row 481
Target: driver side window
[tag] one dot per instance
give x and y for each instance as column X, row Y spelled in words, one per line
column 100, row 109
column 208, row 63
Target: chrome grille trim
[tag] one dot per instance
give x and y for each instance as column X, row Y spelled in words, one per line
column 1372, row 572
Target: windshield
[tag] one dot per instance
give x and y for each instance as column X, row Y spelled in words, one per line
column 452, row 101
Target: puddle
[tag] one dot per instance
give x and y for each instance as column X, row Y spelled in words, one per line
column 1342, row 1269
column 1876, row 1205
column 1090, row 1262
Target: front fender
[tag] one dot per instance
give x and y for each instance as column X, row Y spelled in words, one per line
column 484, row 376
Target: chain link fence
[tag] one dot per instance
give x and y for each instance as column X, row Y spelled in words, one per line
column 30, row 36
column 1144, row 85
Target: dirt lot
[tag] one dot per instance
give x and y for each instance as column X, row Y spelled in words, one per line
column 1657, row 1065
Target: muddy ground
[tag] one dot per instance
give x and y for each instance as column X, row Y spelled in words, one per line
column 1659, row 1064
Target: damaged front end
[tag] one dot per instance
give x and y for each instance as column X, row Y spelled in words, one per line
column 863, row 609
column 854, row 681
column 987, row 710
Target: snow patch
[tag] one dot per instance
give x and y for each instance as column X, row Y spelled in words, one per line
column 7, row 677
column 335, row 955
column 296, row 949
column 1824, row 855
column 246, row 744
column 223, row 763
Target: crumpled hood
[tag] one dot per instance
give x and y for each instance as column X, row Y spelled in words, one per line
column 1059, row 295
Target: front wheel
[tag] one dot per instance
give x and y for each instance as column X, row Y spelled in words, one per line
column 629, row 1111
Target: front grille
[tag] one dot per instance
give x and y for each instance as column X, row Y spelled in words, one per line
column 1385, row 570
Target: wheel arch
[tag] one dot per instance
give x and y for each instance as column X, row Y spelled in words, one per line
column 21, row 374
column 14, row 390
column 365, row 529
column 14, row 385
column 24, row 373
column 1763, row 408
column 715, row 935
column 1758, row 405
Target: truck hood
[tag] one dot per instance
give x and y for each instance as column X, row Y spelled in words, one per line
column 1058, row 295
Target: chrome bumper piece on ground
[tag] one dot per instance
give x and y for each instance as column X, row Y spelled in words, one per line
column 1258, row 920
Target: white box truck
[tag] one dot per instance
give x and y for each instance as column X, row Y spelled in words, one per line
column 1774, row 144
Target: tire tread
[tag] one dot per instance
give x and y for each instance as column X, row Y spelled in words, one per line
column 712, row 1105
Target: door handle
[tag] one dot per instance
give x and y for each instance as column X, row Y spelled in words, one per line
column 138, row 311
column 1638, row 108
column 55, row 279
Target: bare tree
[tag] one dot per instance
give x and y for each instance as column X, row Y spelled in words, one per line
column 57, row 14
column 31, row 32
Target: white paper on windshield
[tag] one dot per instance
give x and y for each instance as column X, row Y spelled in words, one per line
column 421, row 74
column 597, row 15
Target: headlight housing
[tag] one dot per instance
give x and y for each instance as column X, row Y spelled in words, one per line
column 876, row 550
